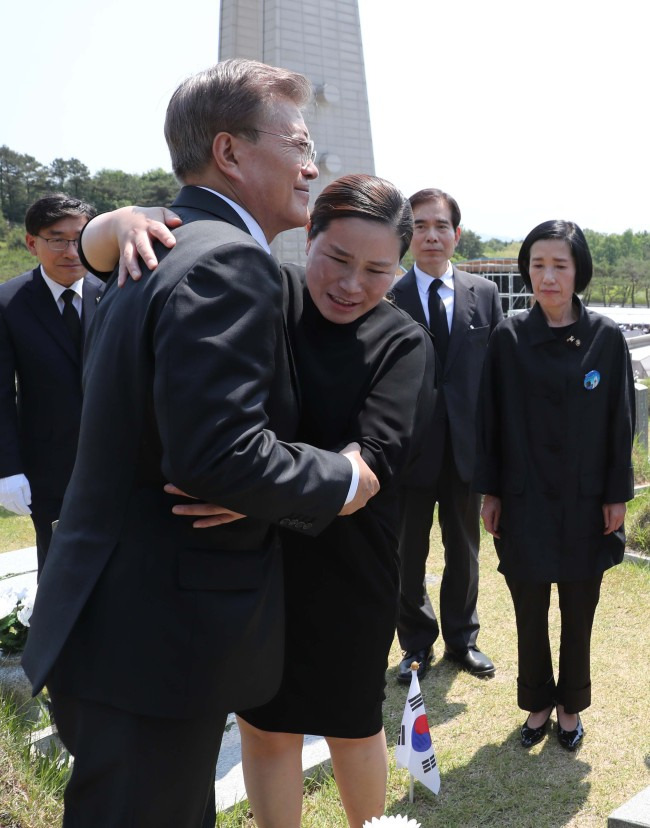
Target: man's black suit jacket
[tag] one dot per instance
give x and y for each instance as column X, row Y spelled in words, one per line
column 187, row 379
column 40, row 384
column 477, row 311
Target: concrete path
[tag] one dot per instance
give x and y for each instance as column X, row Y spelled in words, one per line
column 18, row 569
column 634, row 814
column 229, row 784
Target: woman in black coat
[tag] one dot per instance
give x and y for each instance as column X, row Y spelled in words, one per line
column 556, row 424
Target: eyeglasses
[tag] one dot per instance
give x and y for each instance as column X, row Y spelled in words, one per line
column 305, row 145
column 59, row 245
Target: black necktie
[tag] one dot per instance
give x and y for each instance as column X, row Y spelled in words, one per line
column 71, row 317
column 438, row 320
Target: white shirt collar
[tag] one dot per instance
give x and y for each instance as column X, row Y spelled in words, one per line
column 58, row 289
column 253, row 227
column 424, row 279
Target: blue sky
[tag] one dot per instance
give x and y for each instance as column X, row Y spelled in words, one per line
column 523, row 111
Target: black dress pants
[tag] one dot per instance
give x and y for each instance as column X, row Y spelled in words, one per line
column 537, row 688
column 458, row 515
column 134, row 771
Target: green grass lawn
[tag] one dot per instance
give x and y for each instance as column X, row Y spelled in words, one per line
column 14, row 261
column 15, row 532
column 487, row 778
column 637, row 523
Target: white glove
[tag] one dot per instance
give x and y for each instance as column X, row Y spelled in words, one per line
column 15, row 494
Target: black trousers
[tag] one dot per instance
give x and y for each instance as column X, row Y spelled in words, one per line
column 134, row 771
column 458, row 515
column 537, row 688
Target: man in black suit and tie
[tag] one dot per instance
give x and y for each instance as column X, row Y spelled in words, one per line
column 44, row 315
column 461, row 310
column 147, row 631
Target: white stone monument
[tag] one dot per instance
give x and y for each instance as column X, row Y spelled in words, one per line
column 321, row 39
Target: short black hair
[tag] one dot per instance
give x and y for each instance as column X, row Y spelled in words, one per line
column 366, row 197
column 52, row 208
column 566, row 231
column 431, row 194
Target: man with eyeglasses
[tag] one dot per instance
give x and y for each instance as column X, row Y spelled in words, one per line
column 43, row 316
column 146, row 630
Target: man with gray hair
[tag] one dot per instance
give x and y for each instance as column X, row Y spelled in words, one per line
column 147, row 632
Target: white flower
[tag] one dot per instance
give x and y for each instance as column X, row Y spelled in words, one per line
column 19, row 600
column 8, row 601
column 24, row 614
column 394, row 821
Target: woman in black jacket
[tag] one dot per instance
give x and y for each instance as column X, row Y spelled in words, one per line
column 556, row 424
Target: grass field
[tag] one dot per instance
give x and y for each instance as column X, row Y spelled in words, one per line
column 487, row 778
column 14, row 261
column 15, row 533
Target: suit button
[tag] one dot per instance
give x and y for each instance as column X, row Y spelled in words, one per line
column 307, row 525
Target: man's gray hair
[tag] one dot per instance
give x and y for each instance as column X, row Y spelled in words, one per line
column 232, row 96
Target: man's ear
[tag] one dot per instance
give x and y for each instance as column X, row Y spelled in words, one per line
column 30, row 241
column 225, row 153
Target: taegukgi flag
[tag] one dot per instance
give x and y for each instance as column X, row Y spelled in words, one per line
column 414, row 747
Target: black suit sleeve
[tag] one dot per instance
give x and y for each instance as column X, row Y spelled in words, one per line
column 10, row 460
column 619, row 478
column 398, row 409
column 487, row 477
column 497, row 310
column 214, row 344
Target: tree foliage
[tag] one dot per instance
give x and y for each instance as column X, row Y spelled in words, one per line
column 469, row 245
column 23, row 179
column 621, row 261
column 472, row 246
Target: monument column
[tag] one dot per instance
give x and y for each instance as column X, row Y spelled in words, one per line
column 321, row 39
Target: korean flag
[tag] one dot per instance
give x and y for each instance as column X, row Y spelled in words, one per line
column 414, row 747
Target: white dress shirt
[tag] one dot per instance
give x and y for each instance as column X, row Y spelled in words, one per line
column 253, row 227
column 445, row 291
column 57, row 292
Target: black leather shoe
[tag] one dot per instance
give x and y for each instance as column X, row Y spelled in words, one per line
column 570, row 739
column 423, row 658
column 474, row 661
column 532, row 735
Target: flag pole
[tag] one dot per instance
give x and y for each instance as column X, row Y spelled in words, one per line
column 414, row 667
